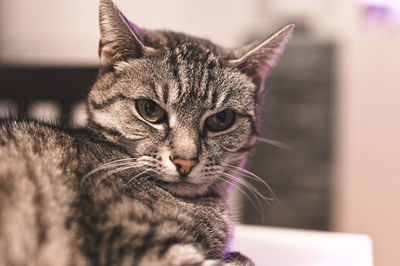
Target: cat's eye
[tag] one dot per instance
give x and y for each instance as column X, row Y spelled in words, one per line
column 220, row 121
column 150, row 111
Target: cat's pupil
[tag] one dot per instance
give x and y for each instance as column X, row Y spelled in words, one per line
column 150, row 108
column 221, row 117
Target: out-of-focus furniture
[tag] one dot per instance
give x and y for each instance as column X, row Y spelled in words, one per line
column 272, row 246
column 298, row 110
column 24, row 86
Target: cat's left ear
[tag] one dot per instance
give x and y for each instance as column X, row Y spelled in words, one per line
column 119, row 38
column 256, row 59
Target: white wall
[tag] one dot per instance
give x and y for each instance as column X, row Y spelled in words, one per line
column 43, row 31
column 367, row 177
column 66, row 32
column 367, row 137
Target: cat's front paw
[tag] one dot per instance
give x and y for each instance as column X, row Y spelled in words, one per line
column 237, row 259
column 231, row 259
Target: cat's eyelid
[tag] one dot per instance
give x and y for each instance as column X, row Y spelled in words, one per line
column 147, row 97
column 239, row 108
column 218, row 110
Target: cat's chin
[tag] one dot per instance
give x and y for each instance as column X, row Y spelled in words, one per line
column 187, row 189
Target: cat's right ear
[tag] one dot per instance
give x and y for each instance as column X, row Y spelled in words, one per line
column 119, row 38
column 256, row 59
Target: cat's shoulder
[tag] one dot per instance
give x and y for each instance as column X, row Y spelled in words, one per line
column 8, row 126
column 24, row 132
column 34, row 139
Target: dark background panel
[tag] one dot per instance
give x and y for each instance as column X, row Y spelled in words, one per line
column 64, row 85
column 298, row 111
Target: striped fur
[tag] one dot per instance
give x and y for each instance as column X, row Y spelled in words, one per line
column 110, row 194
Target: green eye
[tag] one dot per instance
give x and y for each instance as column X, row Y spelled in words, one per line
column 150, row 111
column 221, row 121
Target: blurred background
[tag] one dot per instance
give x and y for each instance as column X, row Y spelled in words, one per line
column 334, row 99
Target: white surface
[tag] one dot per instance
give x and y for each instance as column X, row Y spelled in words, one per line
column 291, row 247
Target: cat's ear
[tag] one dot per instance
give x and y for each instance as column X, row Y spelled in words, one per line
column 256, row 59
column 119, row 38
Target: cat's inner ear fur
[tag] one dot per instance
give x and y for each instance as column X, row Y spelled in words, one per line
column 119, row 38
column 256, row 59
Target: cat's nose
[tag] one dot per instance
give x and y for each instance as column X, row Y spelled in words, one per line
column 184, row 166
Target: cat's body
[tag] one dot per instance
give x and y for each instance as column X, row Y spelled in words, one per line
column 170, row 118
column 53, row 217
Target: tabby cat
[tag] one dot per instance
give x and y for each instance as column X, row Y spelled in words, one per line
column 171, row 117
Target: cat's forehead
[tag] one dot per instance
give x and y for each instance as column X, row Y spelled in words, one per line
column 188, row 74
column 188, row 84
column 170, row 40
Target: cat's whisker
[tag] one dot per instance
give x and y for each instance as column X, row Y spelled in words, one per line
column 240, row 182
column 119, row 166
column 246, row 66
column 143, row 172
column 110, row 164
column 247, row 185
column 266, row 92
column 256, row 204
column 119, row 169
column 256, row 194
column 246, row 173
column 237, row 187
column 274, row 143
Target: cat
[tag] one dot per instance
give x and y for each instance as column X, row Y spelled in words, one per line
column 171, row 117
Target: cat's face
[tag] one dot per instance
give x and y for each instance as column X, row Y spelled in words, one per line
column 164, row 109
column 185, row 109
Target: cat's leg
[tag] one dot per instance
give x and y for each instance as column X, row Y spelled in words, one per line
column 191, row 255
column 175, row 255
column 231, row 259
column 237, row 259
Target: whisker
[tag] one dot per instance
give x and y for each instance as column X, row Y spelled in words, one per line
column 110, row 163
column 249, row 186
column 114, row 163
column 243, row 183
column 145, row 171
column 252, row 176
column 117, row 170
column 267, row 92
column 256, row 204
column 237, row 187
column 122, row 166
column 275, row 143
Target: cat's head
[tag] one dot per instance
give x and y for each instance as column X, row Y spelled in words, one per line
column 186, row 109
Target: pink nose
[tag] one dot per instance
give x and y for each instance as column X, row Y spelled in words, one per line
column 184, row 166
